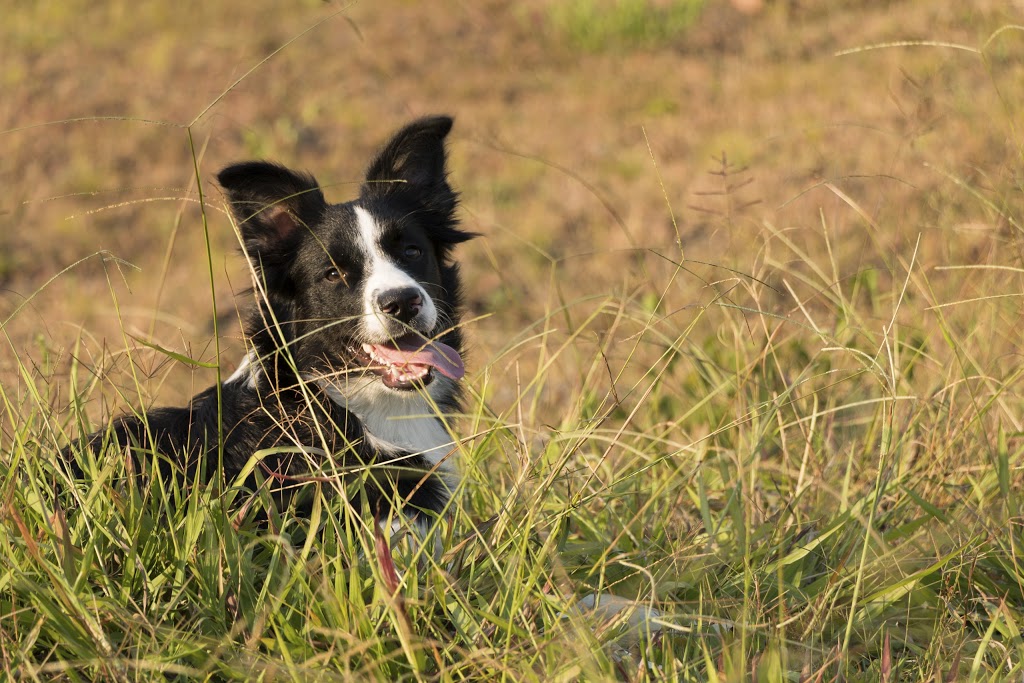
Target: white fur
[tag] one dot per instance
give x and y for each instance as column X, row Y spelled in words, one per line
column 383, row 274
column 397, row 421
column 394, row 421
column 244, row 372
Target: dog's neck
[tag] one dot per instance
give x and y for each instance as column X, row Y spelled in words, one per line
column 394, row 422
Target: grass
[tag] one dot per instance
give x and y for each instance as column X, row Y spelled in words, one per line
column 823, row 492
column 598, row 25
column 802, row 448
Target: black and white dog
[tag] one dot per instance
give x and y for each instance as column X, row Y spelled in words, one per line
column 354, row 344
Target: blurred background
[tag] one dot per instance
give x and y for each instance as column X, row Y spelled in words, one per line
column 598, row 144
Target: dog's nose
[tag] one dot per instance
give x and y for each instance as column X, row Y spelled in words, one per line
column 400, row 304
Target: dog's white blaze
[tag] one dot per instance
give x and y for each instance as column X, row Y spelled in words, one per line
column 383, row 274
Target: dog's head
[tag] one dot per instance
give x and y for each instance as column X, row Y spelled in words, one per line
column 363, row 293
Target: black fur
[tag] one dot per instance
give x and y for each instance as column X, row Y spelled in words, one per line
column 306, row 324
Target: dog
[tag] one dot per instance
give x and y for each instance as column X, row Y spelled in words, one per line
column 354, row 345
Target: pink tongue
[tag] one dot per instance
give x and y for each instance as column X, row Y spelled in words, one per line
column 413, row 351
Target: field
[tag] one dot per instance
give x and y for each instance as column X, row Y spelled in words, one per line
column 744, row 357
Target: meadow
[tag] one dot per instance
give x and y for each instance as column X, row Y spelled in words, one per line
column 743, row 356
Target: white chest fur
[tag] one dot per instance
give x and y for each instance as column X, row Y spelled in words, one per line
column 394, row 422
column 397, row 422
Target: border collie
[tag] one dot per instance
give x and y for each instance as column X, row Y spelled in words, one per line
column 353, row 344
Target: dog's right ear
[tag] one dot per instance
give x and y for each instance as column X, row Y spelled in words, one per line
column 271, row 204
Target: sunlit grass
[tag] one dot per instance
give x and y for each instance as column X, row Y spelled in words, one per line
column 820, row 484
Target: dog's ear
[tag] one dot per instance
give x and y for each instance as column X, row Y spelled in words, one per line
column 271, row 205
column 413, row 161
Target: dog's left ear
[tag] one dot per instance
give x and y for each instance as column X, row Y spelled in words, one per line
column 413, row 162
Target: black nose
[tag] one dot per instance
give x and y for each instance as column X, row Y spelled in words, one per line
column 400, row 304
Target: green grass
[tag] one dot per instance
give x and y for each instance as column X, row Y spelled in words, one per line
column 828, row 489
column 805, row 456
column 599, row 25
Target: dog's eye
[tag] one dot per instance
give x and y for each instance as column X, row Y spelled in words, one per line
column 333, row 275
column 412, row 253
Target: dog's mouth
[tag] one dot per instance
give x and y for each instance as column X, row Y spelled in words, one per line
column 409, row 361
